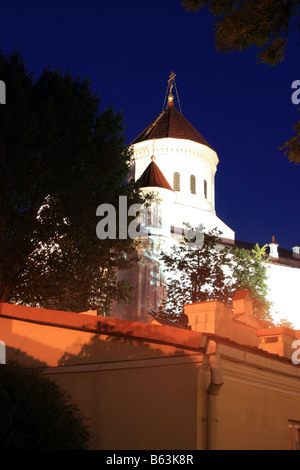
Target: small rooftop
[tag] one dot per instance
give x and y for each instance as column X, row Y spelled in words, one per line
column 153, row 177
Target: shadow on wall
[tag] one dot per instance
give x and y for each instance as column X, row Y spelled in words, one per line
column 135, row 407
column 21, row 357
column 86, row 340
column 117, row 348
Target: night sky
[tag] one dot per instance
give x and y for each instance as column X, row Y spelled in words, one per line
column 244, row 110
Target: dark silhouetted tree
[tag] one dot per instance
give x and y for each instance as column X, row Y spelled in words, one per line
column 60, row 158
column 37, row 414
column 265, row 24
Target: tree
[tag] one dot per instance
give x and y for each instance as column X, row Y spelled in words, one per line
column 284, row 322
column 60, row 158
column 265, row 24
column 210, row 271
column 37, row 414
column 292, row 147
column 249, row 270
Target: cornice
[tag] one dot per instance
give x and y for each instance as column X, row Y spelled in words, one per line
column 175, row 147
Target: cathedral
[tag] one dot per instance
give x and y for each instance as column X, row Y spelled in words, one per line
column 176, row 164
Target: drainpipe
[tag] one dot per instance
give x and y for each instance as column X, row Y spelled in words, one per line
column 213, row 390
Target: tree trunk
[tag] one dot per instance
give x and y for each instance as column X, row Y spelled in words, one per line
column 5, row 291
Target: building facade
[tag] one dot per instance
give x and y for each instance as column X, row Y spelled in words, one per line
column 176, row 164
column 223, row 384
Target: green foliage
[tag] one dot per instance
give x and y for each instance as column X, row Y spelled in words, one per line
column 249, row 270
column 264, row 24
column 60, row 158
column 199, row 272
column 211, row 271
column 37, row 414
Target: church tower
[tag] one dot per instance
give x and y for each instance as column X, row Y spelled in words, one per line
column 188, row 163
column 174, row 163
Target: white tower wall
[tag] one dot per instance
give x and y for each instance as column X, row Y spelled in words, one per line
column 186, row 158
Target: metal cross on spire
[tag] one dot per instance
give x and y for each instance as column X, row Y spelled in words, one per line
column 171, row 84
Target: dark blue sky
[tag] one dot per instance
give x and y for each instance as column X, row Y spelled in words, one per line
column 128, row 49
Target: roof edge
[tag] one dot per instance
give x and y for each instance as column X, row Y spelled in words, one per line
column 183, row 339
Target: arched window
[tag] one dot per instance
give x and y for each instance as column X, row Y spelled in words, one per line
column 193, row 184
column 205, row 189
column 153, row 215
column 156, row 215
column 176, row 181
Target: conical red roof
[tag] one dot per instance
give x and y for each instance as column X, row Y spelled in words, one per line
column 153, row 177
column 171, row 123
